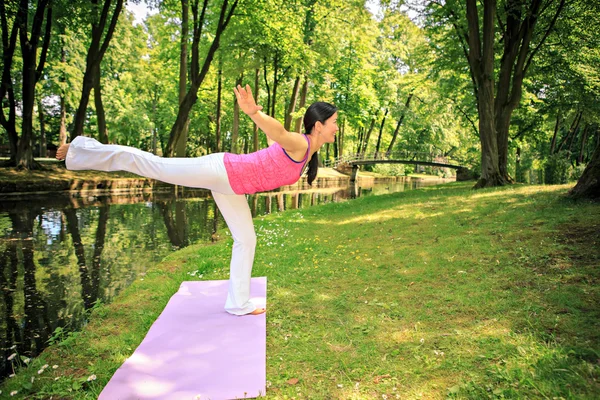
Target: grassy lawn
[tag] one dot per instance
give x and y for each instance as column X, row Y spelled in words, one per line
column 442, row 292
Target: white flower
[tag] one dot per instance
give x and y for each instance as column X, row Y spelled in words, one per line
column 13, row 392
column 32, row 379
column 11, row 376
column 26, row 360
column 45, row 366
column 40, row 371
column 91, row 378
column 422, row 340
column 54, row 366
column 13, row 355
column 57, row 378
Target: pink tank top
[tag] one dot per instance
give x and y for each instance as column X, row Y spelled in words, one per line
column 264, row 170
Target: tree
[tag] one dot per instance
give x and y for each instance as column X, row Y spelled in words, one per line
column 523, row 27
column 198, row 75
column 22, row 148
column 589, row 183
column 96, row 51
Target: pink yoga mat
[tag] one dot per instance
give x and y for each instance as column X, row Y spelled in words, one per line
column 195, row 350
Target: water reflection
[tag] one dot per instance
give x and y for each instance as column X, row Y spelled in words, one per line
column 59, row 254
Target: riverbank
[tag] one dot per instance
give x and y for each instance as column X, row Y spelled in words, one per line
column 56, row 178
column 431, row 293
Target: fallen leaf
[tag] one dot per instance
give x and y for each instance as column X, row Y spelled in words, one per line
column 293, row 381
column 380, row 377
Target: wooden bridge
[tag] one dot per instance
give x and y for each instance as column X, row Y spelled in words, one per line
column 404, row 157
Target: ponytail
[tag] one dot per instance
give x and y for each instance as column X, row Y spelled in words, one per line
column 313, row 168
column 319, row 111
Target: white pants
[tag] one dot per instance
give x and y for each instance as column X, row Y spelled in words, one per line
column 206, row 172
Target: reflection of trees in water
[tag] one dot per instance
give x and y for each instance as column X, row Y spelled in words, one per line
column 31, row 333
column 8, row 283
column 90, row 279
column 176, row 223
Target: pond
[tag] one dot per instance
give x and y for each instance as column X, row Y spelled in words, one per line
column 60, row 254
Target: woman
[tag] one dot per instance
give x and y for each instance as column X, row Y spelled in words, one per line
column 229, row 176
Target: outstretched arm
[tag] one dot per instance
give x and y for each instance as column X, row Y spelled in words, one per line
column 291, row 142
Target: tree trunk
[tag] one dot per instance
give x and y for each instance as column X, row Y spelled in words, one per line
column 481, row 62
column 574, row 127
column 94, row 57
column 303, row 94
column 267, row 106
column 31, row 71
column 361, row 132
column 154, row 121
column 368, row 136
column 573, row 137
column 42, row 142
column 198, row 74
column 341, row 137
column 556, row 128
column 381, row 132
column 181, row 145
column 100, row 114
column 25, row 146
column 582, row 147
column 292, row 106
column 400, row 121
column 275, row 83
column 589, row 184
column 9, row 44
column 62, row 133
column 236, row 119
column 256, row 91
column 218, row 119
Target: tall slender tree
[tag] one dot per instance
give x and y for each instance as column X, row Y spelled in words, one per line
column 103, row 13
column 198, row 74
column 31, row 37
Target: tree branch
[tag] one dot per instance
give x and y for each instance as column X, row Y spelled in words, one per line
column 45, row 44
column 9, row 45
column 198, row 24
column 111, row 28
column 546, row 34
column 473, row 37
column 473, row 125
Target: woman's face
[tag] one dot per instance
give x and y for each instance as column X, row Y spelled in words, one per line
column 330, row 128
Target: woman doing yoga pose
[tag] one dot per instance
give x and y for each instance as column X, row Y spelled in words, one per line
column 229, row 176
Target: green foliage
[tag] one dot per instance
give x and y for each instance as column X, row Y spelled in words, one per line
column 576, row 172
column 390, row 169
column 556, row 169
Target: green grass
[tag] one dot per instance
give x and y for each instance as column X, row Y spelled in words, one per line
column 442, row 292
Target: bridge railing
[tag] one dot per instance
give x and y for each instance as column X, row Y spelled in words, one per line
column 384, row 155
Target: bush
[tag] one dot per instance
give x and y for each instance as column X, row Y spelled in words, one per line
column 556, row 168
column 389, row 169
column 576, row 172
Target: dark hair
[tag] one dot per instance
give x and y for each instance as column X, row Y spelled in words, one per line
column 319, row 111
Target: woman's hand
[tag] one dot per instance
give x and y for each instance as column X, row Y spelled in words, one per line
column 246, row 100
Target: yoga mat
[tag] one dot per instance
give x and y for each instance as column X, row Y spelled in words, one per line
column 196, row 350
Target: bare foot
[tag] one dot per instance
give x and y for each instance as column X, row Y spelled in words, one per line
column 258, row 311
column 61, row 153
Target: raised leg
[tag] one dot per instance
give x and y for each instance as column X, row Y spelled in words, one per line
column 206, row 172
